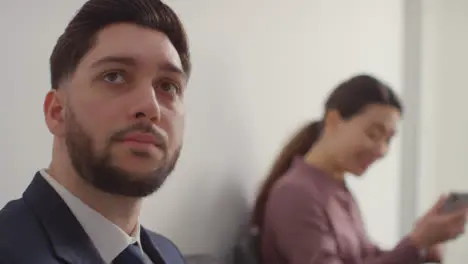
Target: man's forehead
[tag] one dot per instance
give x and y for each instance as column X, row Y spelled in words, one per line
column 132, row 44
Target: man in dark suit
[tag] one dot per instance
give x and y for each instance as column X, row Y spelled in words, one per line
column 116, row 112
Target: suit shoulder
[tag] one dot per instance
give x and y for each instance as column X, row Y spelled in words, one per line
column 161, row 239
column 14, row 216
column 167, row 247
column 20, row 228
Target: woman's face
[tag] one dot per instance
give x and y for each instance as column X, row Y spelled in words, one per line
column 365, row 138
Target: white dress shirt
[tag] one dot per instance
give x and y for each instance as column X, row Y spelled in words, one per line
column 109, row 239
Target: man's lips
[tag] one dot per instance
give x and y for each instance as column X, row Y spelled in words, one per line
column 142, row 138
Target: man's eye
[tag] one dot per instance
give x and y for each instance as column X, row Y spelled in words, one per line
column 114, row 78
column 169, row 87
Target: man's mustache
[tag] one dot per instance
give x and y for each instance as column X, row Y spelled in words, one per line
column 161, row 140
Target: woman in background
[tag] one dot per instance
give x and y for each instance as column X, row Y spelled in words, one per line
column 306, row 214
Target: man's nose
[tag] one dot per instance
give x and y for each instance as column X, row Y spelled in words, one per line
column 146, row 105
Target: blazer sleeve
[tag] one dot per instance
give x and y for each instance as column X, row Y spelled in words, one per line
column 5, row 258
column 303, row 234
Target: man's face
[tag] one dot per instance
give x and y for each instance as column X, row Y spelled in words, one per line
column 121, row 114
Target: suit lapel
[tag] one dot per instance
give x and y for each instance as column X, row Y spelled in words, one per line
column 151, row 247
column 69, row 241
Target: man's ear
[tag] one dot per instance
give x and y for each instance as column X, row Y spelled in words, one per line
column 54, row 112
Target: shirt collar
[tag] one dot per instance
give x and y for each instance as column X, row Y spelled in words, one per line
column 109, row 239
column 320, row 178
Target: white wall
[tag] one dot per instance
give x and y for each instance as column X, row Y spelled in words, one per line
column 444, row 137
column 261, row 68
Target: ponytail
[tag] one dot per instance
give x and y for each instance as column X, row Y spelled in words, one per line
column 299, row 145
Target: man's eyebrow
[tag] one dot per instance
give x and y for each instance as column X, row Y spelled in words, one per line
column 172, row 68
column 129, row 61
column 114, row 59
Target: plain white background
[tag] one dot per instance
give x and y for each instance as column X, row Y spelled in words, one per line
column 444, row 123
column 261, row 69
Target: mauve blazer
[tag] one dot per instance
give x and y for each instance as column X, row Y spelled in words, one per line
column 311, row 218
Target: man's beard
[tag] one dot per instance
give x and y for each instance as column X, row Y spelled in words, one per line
column 98, row 169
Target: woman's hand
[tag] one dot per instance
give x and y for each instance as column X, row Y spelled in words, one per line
column 435, row 254
column 436, row 227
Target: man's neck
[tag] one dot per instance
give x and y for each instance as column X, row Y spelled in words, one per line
column 122, row 211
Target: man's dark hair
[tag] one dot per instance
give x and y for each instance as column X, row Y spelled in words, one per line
column 80, row 34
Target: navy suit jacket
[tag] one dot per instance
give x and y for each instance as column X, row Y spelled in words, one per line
column 39, row 228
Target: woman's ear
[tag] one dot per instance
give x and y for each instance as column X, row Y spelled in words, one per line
column 332, row 120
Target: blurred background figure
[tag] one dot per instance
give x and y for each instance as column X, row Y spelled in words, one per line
column 305, row 213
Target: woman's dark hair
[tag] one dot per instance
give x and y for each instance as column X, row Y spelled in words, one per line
column 349, row 99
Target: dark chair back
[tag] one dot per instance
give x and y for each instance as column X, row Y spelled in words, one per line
column 247, row 250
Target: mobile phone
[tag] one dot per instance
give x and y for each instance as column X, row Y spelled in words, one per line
column 455, row 201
